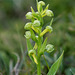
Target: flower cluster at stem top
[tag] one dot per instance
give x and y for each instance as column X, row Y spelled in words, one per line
column 35, row 32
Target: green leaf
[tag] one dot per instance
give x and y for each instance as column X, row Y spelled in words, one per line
column 41, row 9
column 45, row 9
column 5, row 60
column 72, row 70
column 68, row 71
column 43, row 47
column 37, row 3
column 32, row 10
column 51, row 22
column 29, row 45
column 56, row 65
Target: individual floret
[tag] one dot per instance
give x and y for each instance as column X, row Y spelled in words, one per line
column 49, row 13
column 49, row 48
column 29, row 15
column 28, row 26
column 36, row 23
column 28, row 35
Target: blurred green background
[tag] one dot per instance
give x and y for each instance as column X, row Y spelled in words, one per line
column 13, row 51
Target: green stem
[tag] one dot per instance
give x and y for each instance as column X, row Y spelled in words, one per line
column 38, row 67
column 39, row 56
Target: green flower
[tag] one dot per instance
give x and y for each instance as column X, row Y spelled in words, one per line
column 28, row 35
column 42, row 3
column 33, row 54
column 36, row 23
column 49, row 48
column 49, row 13
column 29, row 15
column 49, row 28
column 28, row 25
column 37, row 13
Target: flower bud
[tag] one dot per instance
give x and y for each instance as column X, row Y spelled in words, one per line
column 49, row 48
column 42, row 3
column 29, row 15
column 36, row 23
column 28, row 34
column 49, row 13
column 28, row 25
column 49, row 28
